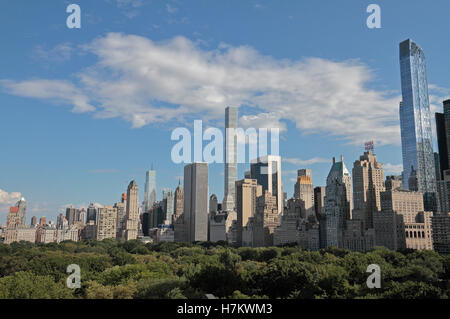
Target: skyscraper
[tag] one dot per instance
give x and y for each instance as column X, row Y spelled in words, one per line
column 106, row 223
column 82, row 216
column 304, row 190
column 267, row 172
column 338, row 204
column 443, row 137
column 319, row 196
column 266, row 220
column 196, row 201
column 22, row 205
column 368, row 182
column 167, row 205
column 178, row 202
column 121, row 216
column 72, row 214
column 91, row 213
column 150, row 189
column 247, row 190
column 231, row 123
column 131, row 224
column 415, row 122
column 213, row 207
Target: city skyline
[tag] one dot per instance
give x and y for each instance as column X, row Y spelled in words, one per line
column 75, row 160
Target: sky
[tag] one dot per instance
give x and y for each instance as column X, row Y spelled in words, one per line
column 85, row 111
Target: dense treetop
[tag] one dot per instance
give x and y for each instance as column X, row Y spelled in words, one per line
column 132, row 269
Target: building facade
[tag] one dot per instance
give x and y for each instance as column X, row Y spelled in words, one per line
column 304, row 190
column 106, row 223
column 247, row 190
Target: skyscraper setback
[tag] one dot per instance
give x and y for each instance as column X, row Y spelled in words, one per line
column 231, row 122
column 415, row 122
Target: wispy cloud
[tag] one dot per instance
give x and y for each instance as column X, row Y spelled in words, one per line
column 59, row 91
column 130, row 8
column 392, row 169
column 149, row 82
column 57, row 54
column 171, row 9
column 103, row 171
column 311, row 161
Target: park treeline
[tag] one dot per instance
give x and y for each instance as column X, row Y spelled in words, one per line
column 133, row 269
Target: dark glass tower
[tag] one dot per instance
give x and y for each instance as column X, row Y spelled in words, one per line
column 441, row 133
column 415, row 123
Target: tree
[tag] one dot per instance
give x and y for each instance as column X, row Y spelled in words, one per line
column 26, row 285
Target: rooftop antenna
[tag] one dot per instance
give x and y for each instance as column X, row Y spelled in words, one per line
column 369, row 146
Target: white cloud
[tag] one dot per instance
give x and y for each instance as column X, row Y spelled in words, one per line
column 392, row 169
column 175, row 80
column 262, row 120
column 311, row 161
column 56, row 90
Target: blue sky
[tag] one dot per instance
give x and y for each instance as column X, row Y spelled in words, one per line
column 84, row 111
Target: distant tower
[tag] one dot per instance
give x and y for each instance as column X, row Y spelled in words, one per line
column 150, row 189
column 267, row 172
column 121, row 216
column 178, row 202
column 304, row 190
column 413, row 182
column 91, row 213
column 131, row 227
column 247, row 190
column 231, row 123
column 22, row 204
column 338, row 204
column 443, row 138
column 167, row 203
column 368, row 182
column 196, row 201
column 83, row 216
column 33, row 221
column 213, row 204
column 72, row 214
column 266, row 220
column 415, row 123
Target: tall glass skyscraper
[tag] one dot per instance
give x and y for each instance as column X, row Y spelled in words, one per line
column 231, row 122
column 150, row 189
column 415, row 123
